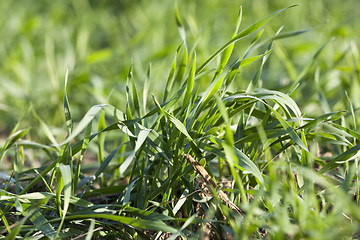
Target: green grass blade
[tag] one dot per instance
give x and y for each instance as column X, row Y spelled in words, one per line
column 15, row 231
column 141, row 138
column 155, row 225
column 240, row 35
column 43, row 225
column 135, row 99
column 84, row 122
column 228, row 51
column 83, row 149
column 171, row 75
column 11, row 140
column 189, row 84
column 179, row 24
column 68, row 118
column 106, row 162
column 348, row 155
column 65, row 172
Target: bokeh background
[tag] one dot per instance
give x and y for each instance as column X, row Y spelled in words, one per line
column 99, row 40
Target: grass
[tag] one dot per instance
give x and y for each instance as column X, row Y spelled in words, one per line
column 286, row 160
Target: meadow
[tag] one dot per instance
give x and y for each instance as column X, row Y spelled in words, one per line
column 179, row 119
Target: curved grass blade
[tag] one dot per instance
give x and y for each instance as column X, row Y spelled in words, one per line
column 14, row 233
column 135, row 98
column 128, row 106
column 83, row 149
column 242, row 34
column 340, row 159
column 189, row 84
column 228, row 51
column 65, row 172
column 139, row 142
column 155, row 225
column 171, row 76
column 255, row 81
column 228, row 146
column 43, row 225
column 282, row 121
column 180, row 126
column 106, row 162
column 11, row 140
column 179, row 24
column 68, row 118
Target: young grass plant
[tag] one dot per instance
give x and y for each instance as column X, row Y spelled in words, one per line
column 255, row 146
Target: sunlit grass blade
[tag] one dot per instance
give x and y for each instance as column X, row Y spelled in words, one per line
column 255, row 81
column 240, row 35
column 189, row 84
column 11, row 140
column 83, row 149
column 179, row 24
column 228, row 51
column 141, row 138
column 229, row 149
column 155, row 225
column 65, row 186
column 43, row 225
column 348, row 155
column 171, row 75
column 68, row 118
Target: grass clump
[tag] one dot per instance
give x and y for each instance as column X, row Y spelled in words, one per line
column 122, row 172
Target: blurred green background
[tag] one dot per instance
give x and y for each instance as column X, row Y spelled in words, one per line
column 99, row 40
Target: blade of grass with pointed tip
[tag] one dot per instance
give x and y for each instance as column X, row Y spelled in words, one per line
column 240, row 35
column 127, row 93
column 68, row 118
column 340, row 159
column 181, row 68
column 146, row 90
column 179, row 24
column 229, row 148
column 65, row 172
column 189, row 84
column 84, row 122
column 288, row 128
column 155, row 225
column 255, row 81
column 15, row 231
column 11, row 140
column 171, row 76
column 139, row 142
column 106, row 162
column 83, row 149
column 43, row 225
column 228, row 51
column 135, row 98
column 247, row 61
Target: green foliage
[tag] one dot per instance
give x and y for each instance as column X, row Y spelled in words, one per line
column 288, row 158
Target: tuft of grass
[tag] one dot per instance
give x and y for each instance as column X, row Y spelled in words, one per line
column 120, row 172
